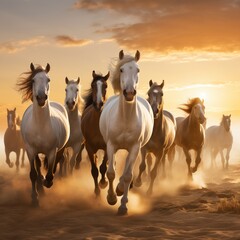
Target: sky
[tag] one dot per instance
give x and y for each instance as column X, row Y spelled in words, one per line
column 194, row 45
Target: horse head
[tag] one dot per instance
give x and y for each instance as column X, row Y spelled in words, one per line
column 11, row 118
column 72, row 91
column 155, row 97
column 199, row 112
column 129, row 76
column 40, row 84
column 99, row 89
column 226, row 122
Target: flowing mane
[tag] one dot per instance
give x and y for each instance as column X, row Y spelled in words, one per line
column 24, row 84
column 187, row 107
column 116, row 73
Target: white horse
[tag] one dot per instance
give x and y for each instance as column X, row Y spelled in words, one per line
column 45, row 126
column 73, row 104
column 218, row 139
column 126, row 123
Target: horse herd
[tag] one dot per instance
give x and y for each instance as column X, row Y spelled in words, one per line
column 123, row 121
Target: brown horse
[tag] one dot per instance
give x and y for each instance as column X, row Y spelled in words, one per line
column 190, row 132
column 13, row 139
column 94, row 101
column 162, row 136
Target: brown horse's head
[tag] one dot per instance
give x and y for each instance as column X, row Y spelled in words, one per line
column 155, row 97
column 11, row 118
column 226, row 122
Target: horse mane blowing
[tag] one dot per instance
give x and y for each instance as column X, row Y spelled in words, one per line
column 187, row 107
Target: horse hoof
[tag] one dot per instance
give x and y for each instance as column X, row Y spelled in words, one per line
column 119, row 191
column 10, row 164
column 138, row 183
column 35, row 203
column 103, row 184
column 122, row 211
column 112, row 199
column 193, row 169
column 97, row 191
column 47, row 184
column 149, row 192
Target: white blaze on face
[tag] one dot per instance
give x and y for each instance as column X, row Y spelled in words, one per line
column 99, row 91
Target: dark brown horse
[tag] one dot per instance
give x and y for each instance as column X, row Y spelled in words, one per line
column 162, row 136
column 94, row 101
column 190, row 132
column 13, row 139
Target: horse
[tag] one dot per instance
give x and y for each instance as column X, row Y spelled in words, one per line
column 93, row 140
column 190, row 132
column 45, row 126
column 13, row 141
column 73, row 103
column 163, row 135
column 126, row 123
column 218, row 139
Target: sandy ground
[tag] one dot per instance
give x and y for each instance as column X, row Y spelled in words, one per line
column 207, row 208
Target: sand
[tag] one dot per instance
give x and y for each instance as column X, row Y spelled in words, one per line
column 207, row 208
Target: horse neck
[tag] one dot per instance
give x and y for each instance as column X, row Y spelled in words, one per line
column 41, row 114
column 126, row 109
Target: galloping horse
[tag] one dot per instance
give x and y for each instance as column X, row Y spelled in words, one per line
column 45, row 126
column 13, row 141
column 73, row 102
column 219, row 138
column 190, row 132
column 126, row 123
column 94, row 101
column 162, row 136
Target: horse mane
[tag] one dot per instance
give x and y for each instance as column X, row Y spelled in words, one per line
column 187, row 107
column 87, row 98
column 25, row 83
column 115, row 69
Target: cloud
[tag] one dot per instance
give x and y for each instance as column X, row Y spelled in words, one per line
column 167, row 26
column 68, row 41
column 11, row 47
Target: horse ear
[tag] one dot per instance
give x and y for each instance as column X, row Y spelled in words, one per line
column 162, row 84
column 66, row 80
column 137, row 56
column 32, row 67
column 150, row 83
column 14, row 109
column 121, row 55
column 47, row 69
column 230, row 115
column 7, row 110
column 78, row 80
column 107, row 76
column 93, row 74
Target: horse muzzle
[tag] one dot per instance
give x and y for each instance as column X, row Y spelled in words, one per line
column 41, row 99
column 70, row 105
column 129, row 96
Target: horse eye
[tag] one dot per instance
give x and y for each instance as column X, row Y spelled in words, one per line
column 48, row 80
column 65, row 90
column 121, row 70
column 138, row 70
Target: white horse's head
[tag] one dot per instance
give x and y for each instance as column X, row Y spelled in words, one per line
column 155, row 97
column 72, row 91
column 226, row 122
column 40, row 85
column 11, row 118
column 129, row 76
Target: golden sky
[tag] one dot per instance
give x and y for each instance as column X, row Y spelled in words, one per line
column 193, row 45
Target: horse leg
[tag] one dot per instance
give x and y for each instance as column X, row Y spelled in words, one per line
column 39, row 176
column 222, row 159
column 171, row 156
column 59, row 160
column 162, row 165
column 103, row 168
column 213, row 157
column 17, row 160
column 33, row 177
column 159, row 157
column 8, row 161
column 197, row 161
column 111, row 196
column 127, row 178
column 94, row 170
column 48, row 181
column 227, row 157
column 142, row 168
column 79, row 157
column 149, row 164
column 22, row 159
column 188, row 160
